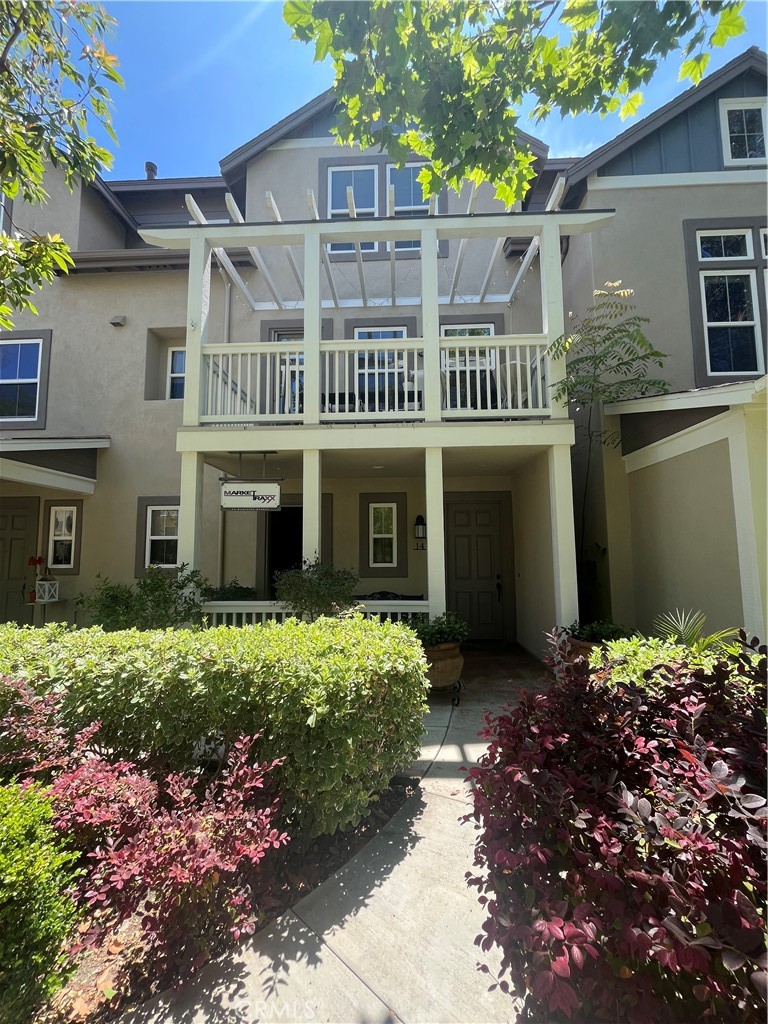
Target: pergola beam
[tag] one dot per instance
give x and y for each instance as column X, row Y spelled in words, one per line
column 462, row 245
column 315, row 215
column 255, row 254
column 225, row 262
column 552, row 204
column 288, row 249
column 358, row 251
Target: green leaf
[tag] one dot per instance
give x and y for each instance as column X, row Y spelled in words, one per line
column 729, row 24
column 694, row 68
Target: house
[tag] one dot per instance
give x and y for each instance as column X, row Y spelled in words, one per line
column 677, row 512
column 306, row 331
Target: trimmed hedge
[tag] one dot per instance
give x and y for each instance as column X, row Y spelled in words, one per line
column 36, row 914
column 342, row 700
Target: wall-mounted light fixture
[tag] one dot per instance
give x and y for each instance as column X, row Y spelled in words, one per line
column 118, row 320
column 420, row 528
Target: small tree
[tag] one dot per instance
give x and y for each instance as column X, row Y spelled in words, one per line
column 608, row 360
column 316, row 588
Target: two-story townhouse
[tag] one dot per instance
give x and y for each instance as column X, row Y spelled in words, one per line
column 677, row 512
column 378, row 361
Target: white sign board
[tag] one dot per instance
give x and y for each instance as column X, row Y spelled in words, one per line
column 250, row 496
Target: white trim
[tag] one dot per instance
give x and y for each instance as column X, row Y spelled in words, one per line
column 719, row 394
column 754, row 323
column 745, row 233
column 171, row 374
column 149, row 536
column 740, row 103
column 52, row 444
column 71, row 537
column 392, row 506
column 682, row 180
column 746, row 543
column 681, row 443
column 39, row 476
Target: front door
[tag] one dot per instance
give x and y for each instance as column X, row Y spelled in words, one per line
column 473, row 569
column 283, row 542
column 18, row 540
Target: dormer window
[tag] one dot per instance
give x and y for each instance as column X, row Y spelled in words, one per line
column 742, row 128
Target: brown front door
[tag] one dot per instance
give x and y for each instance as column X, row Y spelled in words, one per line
column 474, row 574
column 18, row 540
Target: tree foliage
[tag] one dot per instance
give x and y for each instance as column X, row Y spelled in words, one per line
column 444, row 79
column 54, row 73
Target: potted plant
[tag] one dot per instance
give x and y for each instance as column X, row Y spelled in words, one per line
column 440, row 639
column 46, row 584
column 584, row 637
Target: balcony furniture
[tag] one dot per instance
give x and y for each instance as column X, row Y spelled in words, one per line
column 380, row 382
column 292, row 385
column 345, row 401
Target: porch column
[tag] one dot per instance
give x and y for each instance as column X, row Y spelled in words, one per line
column 312, row 327
column 430, row 325
column 198, row 305
column 744, row 514
column 191, row 509
column 563, row 536
column 435, row 509
column 553, row 316
column 312, row 504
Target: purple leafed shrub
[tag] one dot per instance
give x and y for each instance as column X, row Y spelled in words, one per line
column 175, row 851
column 622, row 849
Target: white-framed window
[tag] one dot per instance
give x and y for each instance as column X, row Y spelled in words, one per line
column 467, row 330
column 742, row 129
column 480, row 358
column 177, row 365
column 62, row 532
column 382, row 535
column 379, row 333
column 724, row 245
column 363, row 180
column 162, row 536
column 731, row 322
column 409, row 198
column 20, row 378
column 764, row 242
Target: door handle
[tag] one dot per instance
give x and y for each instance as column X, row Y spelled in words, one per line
column 498, row 586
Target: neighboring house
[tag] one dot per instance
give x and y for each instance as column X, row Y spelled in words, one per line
column 677, row 516
column 381, row 357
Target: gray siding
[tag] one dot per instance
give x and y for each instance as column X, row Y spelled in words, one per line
column 316, row 127
column 689, row 142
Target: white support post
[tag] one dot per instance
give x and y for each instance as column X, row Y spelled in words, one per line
column 746, row 543
column 563, row 535
column 311, row 506
column 198, row 308
column 191, row 509
column 313, row 322
column 434, row 508
column 553, row 314
column 430, row 325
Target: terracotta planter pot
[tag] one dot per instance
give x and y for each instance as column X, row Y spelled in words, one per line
column 579, row 649
column 445, row 664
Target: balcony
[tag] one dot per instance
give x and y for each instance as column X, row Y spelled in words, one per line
column 488, row 378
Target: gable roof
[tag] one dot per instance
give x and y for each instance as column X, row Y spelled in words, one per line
column 234, row 164
column 753, row 59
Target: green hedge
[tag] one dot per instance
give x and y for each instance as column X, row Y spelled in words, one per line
column 341, row 699
column 36, row 915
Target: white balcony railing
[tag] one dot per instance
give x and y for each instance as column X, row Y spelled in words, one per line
column 502, row 377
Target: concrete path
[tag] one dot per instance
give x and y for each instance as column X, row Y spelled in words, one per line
column 390, row 936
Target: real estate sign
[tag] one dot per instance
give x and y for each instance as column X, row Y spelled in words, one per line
column 250, row 495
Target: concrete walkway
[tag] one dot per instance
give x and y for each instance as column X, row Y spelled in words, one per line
column 389, row 937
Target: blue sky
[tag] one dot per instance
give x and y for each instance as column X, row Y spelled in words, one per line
column 202, row 78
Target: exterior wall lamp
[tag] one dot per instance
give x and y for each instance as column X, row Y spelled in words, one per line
column 420, row 532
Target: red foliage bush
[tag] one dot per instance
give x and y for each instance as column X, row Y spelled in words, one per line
column 622, row 845
column 163, row 848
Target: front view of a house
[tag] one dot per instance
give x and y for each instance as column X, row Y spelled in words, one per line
column 304, row 358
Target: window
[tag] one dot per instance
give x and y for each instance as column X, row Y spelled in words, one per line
column 409, row 199
column 382, row 535
column 379, row 333
column 364, row 184
column 718, row 245
column 764, row 242
column 177, row 361
column 467, row 330
column 730, row 321
column 62, row 526
column 479, row 357
column 162, row 541
column 20, row 379
column 742, row 127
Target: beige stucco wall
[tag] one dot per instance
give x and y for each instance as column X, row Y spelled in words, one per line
column 756, row 426
column 534, row 571
column 643, row 247
column 684, row 541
